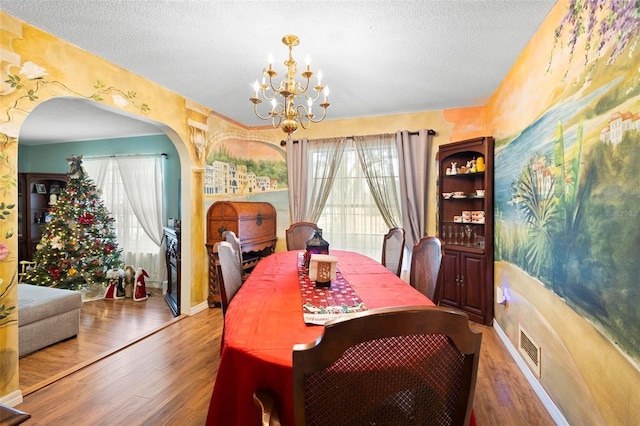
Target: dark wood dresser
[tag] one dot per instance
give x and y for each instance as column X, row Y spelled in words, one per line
column 255, row 225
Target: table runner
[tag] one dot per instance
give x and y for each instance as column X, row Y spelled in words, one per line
column 321, row 304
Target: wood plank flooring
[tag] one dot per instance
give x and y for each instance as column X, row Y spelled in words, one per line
column 105, row 325
column 167, row 379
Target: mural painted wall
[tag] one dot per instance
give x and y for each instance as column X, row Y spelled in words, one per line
column 567, row 204
column 35, row 67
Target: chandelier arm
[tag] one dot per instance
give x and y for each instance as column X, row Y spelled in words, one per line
column 306, row 87
column 301, row 113
column 316, row 97
column 255, row 110
column 276, row 117
column 275, row 89
column 324, row 114
column 267, row 97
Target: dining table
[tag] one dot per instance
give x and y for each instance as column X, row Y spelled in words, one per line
column 271, row 313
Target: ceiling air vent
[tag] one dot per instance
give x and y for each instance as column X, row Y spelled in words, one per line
column 530, row 351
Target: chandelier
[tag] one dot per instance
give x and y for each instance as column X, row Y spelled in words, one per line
column 291, row 100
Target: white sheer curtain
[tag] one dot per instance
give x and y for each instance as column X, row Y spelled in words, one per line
column 379, row 161
column 325, row 156
column 351, row 219
column 132, row 190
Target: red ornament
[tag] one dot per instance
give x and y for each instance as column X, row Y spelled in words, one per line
column 55, row 272
column 86, row 219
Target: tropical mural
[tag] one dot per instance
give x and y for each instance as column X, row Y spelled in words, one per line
column 567, row 205
column 567, row 196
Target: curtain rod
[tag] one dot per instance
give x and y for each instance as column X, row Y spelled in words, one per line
column 164, row 154
column 429, row 132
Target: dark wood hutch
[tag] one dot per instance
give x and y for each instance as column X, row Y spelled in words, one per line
column 34, row 198
column 465, row 226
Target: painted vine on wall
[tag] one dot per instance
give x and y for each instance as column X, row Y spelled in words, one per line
column 24, row 88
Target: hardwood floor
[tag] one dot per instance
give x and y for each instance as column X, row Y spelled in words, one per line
column 105, row 325
column 167, row 379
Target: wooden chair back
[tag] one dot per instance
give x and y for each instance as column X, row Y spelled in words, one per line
column 425, row 267
column 228, row 271
column 299, row 233
column 232, row 238
column 393, row 250
column 402, row 365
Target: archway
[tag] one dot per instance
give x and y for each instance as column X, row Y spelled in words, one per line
column 68, row 119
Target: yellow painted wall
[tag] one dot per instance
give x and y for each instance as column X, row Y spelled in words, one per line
column 43, row 67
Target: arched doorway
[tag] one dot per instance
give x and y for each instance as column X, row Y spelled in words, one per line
column 75, row 120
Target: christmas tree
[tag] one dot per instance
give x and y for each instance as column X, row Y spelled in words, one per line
column 78, row 244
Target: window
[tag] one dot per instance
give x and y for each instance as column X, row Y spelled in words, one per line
column 350, row 219
column 131, row 237
column 143, row 175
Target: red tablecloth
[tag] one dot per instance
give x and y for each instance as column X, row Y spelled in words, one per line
column 264, row 320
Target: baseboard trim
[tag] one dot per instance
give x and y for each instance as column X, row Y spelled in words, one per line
column 12, row 399
column 546, row 400
column 198, row 308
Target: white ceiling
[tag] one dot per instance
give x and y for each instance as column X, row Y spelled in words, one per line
column 378, row 57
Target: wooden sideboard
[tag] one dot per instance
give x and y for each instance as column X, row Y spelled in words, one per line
column 255, row 225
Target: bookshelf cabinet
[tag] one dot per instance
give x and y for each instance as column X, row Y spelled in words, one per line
column 34, row 197
column 465, row 226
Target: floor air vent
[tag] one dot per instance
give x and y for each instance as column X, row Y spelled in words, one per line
column 530, row 351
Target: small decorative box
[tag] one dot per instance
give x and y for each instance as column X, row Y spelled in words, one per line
column 322, row 269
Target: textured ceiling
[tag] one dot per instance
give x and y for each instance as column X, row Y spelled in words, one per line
column 378, row 57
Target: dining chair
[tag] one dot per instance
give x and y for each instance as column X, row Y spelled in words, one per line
column 410, row 365
column 425, row 267
column 299, row 233
column 228, row 271
column 232, row 238
column 393, row 250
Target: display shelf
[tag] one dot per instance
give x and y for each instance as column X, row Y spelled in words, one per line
column 466, row 278
column 33, row 205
